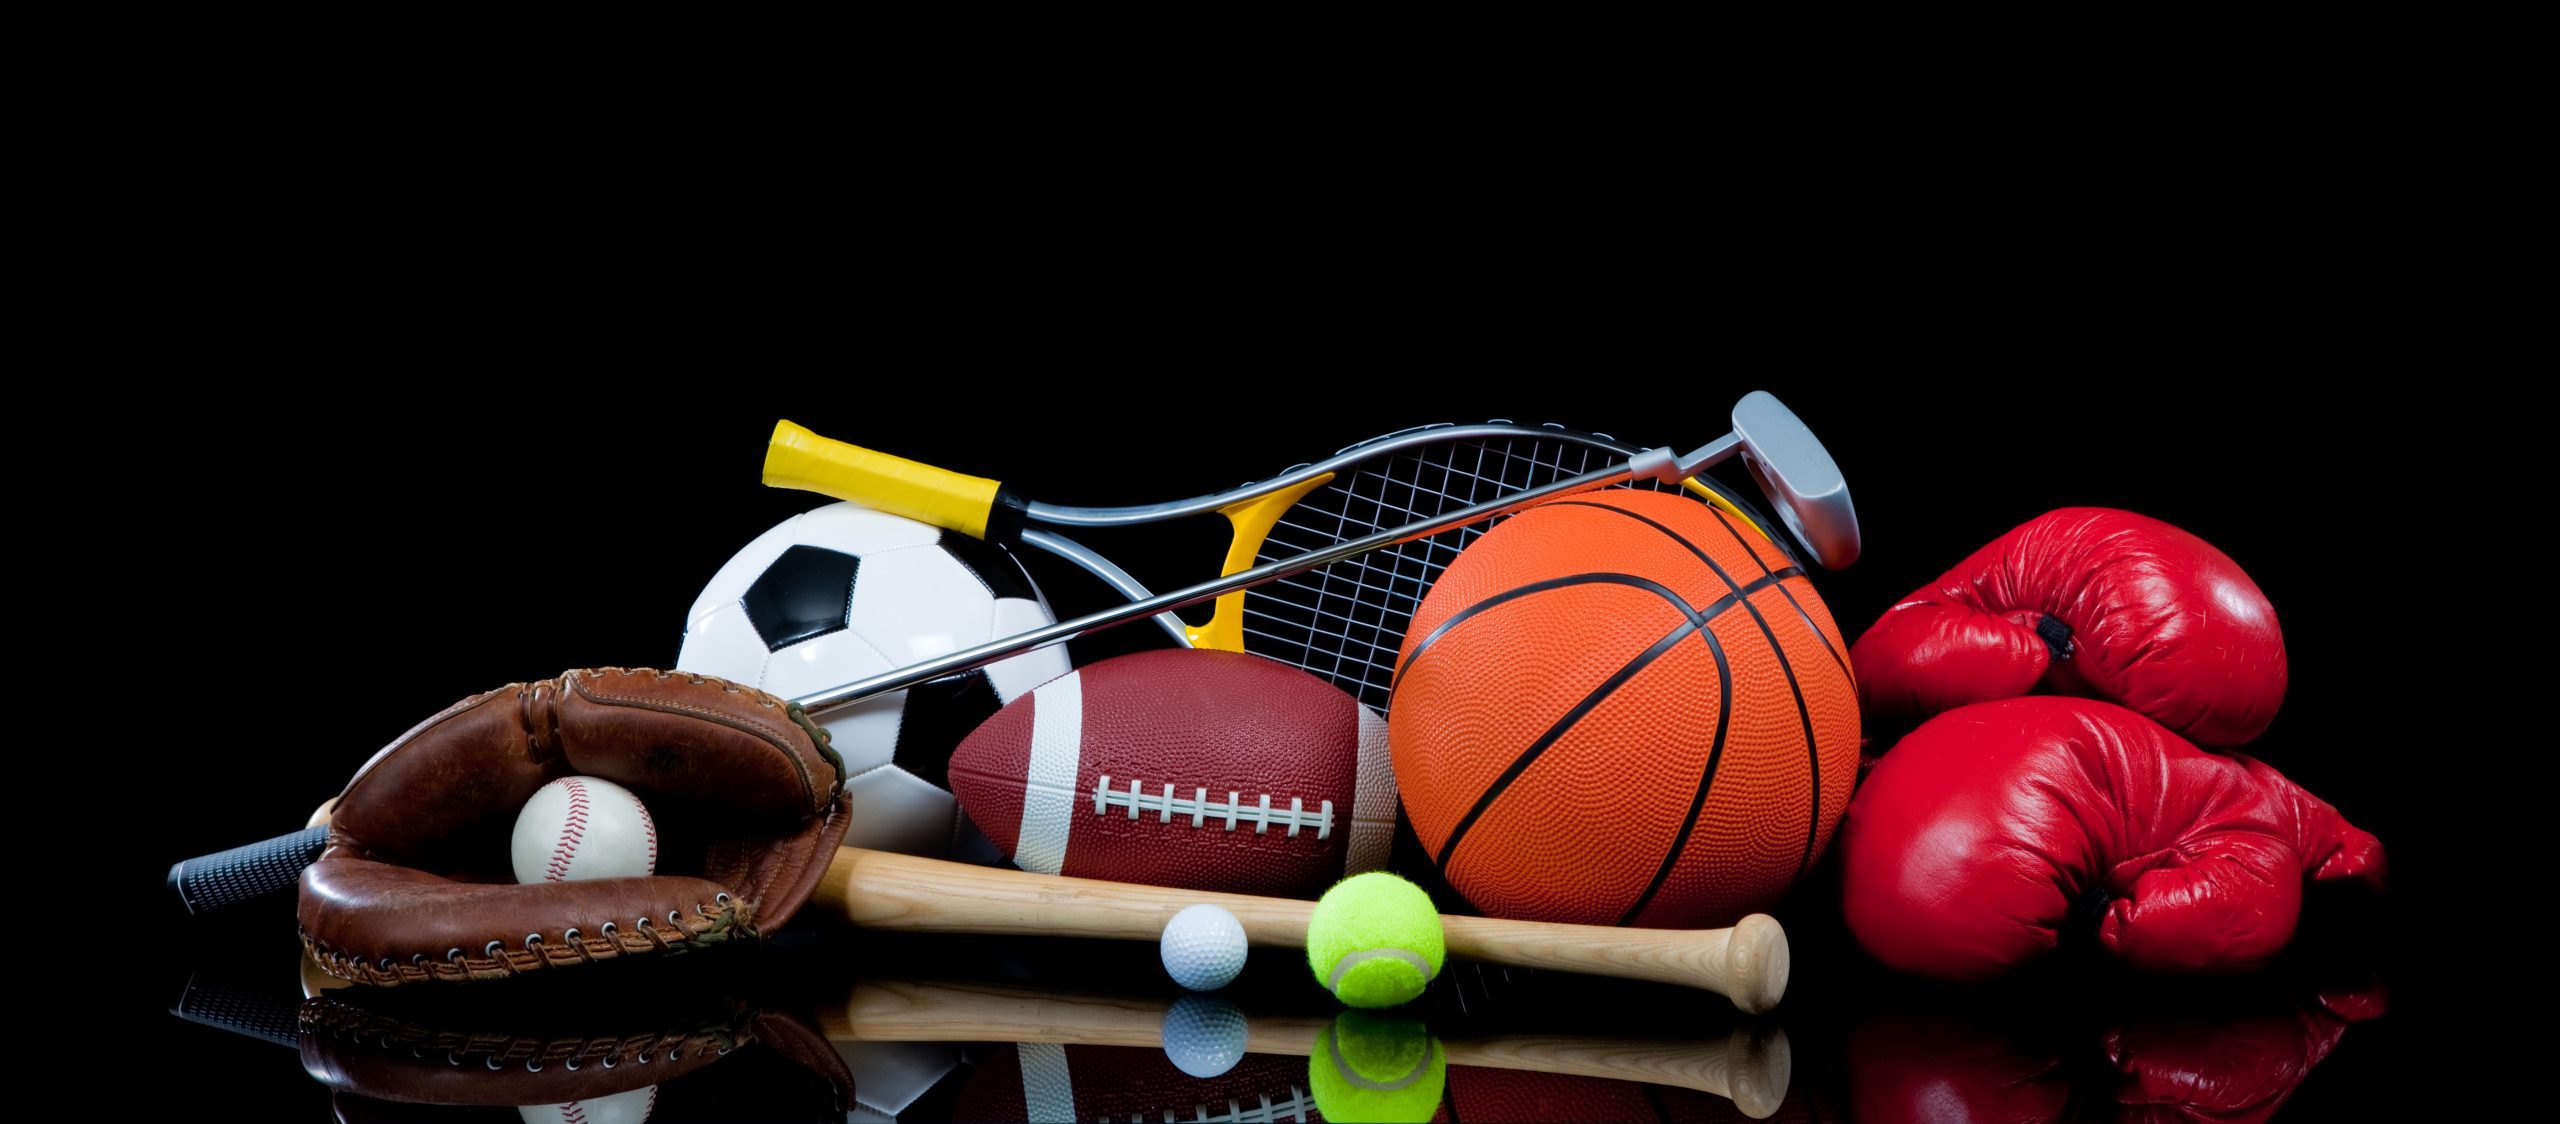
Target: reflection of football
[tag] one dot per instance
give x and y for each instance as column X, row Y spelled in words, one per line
column 844, row 592
column 1180, row 767
column 1477, row 1095
column 1045, row 1081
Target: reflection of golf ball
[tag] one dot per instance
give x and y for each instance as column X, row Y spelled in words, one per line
column 1203, row 948
column 1203, row 1035
column 630, row 1106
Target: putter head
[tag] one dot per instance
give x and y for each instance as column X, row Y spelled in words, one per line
column 1799, row 477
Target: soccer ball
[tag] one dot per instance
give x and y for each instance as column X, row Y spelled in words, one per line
column 844, row 592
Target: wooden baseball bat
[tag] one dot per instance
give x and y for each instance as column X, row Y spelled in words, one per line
column 875, row 889
column 1750, row 1067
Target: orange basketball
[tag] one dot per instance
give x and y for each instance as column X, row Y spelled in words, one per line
column 1624, row 708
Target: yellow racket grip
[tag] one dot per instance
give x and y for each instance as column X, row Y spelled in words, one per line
column 972, row 505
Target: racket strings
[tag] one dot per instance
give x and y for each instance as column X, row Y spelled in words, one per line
column 1346, row 622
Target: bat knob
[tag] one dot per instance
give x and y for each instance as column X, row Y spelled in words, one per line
column 1756, row 963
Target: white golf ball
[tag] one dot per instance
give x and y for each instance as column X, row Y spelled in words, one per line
column 1204, row 1035
column 1203, row 948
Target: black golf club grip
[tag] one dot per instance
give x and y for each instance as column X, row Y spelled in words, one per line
column 227, row 878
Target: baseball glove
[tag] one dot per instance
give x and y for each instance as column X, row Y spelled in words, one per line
column 417, row 880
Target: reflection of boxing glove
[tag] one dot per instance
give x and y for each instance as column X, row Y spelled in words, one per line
column 1940, row 1065
column 1975, row 840
column 2084, row 601
column 2238, row 1068
column 2236, row 1062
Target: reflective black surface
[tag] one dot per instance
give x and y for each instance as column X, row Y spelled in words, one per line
column 977, row 1028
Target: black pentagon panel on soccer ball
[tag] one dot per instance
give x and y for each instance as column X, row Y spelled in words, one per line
column 938, row 714
column 802, row 595
column 996, row 567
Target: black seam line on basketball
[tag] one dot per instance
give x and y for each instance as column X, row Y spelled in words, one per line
column 1847, row 671
column 1700, row 617
column 1706, row 780
column 1593, row 578
column 1557, row 730
column 1804, row 714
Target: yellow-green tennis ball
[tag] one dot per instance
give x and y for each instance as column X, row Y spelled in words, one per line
column 1374, row 940
column 1369, row 1067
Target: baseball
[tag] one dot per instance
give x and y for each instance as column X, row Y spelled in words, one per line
column 631, row 1106
column 584, row 827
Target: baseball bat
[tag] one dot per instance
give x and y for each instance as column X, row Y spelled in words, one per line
column 1747, row 963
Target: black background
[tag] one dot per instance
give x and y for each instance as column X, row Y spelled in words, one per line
column 340, row 580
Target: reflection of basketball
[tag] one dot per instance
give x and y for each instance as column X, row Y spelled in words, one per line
column 1623, row 707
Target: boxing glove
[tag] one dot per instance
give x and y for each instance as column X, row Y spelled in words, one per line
column 1988, row 829
column 2084, row 601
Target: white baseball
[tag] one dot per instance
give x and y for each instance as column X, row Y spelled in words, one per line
column 630, row 1106
column 584, row 827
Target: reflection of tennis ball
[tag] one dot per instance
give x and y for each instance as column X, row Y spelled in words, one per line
column 1374, row 940
column 1369, row 1067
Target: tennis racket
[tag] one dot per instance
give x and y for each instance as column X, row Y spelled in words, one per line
column 1344, row 621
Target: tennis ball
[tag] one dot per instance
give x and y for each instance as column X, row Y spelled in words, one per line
column 1374, row 940
column 1367, row 1067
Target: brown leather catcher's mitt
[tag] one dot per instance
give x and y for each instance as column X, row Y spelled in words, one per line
column 417, row 881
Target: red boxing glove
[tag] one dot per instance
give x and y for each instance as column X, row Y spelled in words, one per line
column 2084, row 601
column 1975, row 840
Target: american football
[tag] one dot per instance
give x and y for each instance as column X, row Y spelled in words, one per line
column 1191, row 768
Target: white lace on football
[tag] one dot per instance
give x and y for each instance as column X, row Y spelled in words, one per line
column 1230, row 812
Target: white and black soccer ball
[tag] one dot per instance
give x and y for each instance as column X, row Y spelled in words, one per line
column 844, row 592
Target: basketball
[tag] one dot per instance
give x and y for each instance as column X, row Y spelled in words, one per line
column 1624, row 708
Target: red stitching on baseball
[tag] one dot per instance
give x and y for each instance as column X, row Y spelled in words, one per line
column 649, row 823
column 573, row 1114
column 572, row 832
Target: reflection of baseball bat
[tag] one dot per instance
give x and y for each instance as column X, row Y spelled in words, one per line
column 1751, row 1067
column 874, row 889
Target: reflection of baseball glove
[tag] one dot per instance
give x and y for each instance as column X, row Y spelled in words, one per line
column 377, row 1060
column 417, row 881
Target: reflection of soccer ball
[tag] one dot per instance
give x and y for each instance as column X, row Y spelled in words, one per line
column 845, row 592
